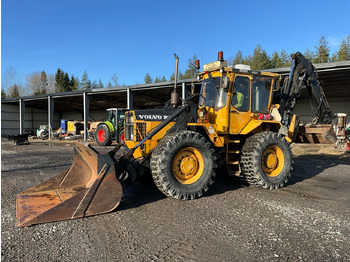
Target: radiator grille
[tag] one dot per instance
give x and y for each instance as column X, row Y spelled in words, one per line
column 140, row 131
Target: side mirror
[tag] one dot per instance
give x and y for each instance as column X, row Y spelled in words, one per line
column 224, row 82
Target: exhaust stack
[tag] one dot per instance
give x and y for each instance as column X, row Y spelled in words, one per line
column 175, row 95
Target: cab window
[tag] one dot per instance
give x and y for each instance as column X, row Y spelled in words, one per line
column 261, row 87
column 240, row 98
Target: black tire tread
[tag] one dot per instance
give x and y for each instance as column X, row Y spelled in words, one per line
column 159, row 167
column 251, row 165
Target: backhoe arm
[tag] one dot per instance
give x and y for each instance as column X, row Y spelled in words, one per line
column 304, row 75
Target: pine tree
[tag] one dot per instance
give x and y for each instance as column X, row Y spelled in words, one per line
column 66, row 82
column 260, row 59
column 100, row 84
column 3, row 93
column 238, row 59
column 276, row 60
column 344, row 50
column 77, row 82
column 62, row 81
column 85, row 81
column 334, row 58
column 109, row 85
column 172, row 77
column 43, row 83
column 164, row 79
column 310, row 55
column 248, row 60
column 322, row 51
column 74, row 83
column 148, row 78
column 94, row 84
column 14, row 91
column 286, row 59
column 181, row 75
column 191, row 71
column 157, row 80
column 59, row 81
column 280, row 60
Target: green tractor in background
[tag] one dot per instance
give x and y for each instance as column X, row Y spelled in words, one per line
column 112, row 129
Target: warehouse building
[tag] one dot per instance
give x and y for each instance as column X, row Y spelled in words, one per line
column 26, row 114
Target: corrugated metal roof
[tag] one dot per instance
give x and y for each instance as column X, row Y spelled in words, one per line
column 144, row 96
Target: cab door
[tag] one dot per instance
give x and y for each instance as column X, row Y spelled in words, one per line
column 240, row 113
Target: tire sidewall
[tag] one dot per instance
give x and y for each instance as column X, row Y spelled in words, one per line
column 208, row 165
column 251, row 160
column 276, row 141
column 162, row 162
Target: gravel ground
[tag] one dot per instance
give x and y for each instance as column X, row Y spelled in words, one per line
column 308, row 220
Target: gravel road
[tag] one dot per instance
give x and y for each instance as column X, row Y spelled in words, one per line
column 308, row 220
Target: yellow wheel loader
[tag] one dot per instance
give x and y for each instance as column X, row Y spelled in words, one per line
column 243, row 122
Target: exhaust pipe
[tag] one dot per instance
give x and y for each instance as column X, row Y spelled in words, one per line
column 174, row 95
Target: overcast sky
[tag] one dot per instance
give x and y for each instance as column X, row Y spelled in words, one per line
column 133, row 38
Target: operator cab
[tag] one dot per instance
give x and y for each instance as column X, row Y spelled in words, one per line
column 236, row 91
column 116, row 116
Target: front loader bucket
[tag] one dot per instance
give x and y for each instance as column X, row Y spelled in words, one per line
column 316, row 134
column 87, row 188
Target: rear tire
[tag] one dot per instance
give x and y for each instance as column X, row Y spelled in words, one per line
column 103, row 135
column 121, row 137
column 266, row 160
column 183, row 165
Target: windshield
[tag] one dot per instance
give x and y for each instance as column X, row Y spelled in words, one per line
column 121, row 115
column 212, row 94
column 111, row 115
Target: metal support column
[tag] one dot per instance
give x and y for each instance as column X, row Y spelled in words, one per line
column 86, row 102
column 129, row 98
column 184, row 91
column 50, row 102
column 22, row 108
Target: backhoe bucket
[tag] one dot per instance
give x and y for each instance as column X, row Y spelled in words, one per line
column 316, row 134
column 87, row 188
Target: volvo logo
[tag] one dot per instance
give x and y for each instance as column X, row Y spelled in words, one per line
column 152, row 117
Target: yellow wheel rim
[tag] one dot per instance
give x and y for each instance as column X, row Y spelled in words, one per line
column 188, row 165
column 272, row 161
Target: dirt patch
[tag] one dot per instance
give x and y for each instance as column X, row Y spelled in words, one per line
column 307, row 220
column 320, row 150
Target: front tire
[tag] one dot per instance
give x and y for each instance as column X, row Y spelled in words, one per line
column 103, row 135
column 183, row 165
column 266, row 160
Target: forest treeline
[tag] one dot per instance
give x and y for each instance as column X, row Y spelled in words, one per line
column 41, row 83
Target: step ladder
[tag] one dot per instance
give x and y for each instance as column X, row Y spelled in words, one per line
column 232, row 157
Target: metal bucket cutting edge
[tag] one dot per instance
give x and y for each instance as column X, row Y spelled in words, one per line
column 89, row 187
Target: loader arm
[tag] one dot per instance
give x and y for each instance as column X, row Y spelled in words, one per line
column 303, row 75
